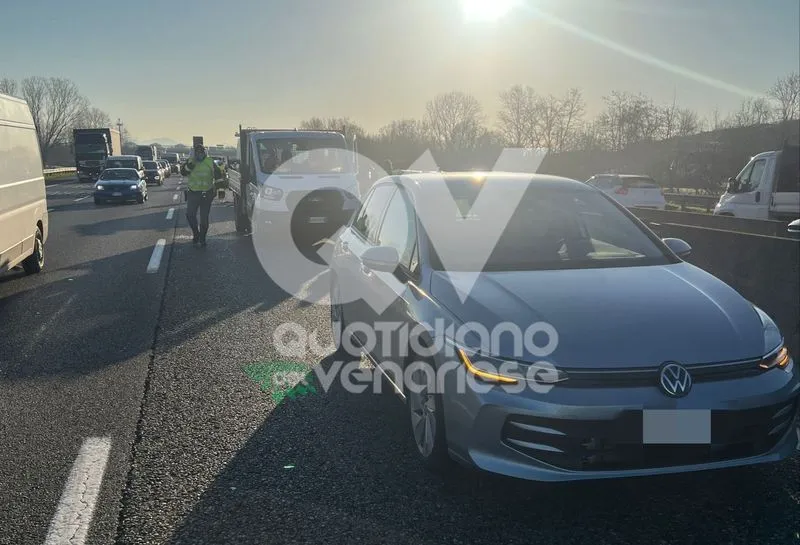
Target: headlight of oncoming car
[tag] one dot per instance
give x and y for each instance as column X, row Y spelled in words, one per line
column 135, row 186
column 98, row 187
column 271, row 193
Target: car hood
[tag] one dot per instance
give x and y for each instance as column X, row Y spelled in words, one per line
column 621, row 317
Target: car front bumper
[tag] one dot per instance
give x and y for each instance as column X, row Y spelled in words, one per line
column 577, row 433
column 118, row 194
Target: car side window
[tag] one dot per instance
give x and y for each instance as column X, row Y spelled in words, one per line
column 608, row 183
column 369, row 218
column 399, row 229
column 756, row 173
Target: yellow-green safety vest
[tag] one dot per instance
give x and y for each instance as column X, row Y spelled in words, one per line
column 201, row 177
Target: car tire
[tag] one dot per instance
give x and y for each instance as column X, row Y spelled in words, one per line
column 428, row 433
column 240, row 219
column 34, row 263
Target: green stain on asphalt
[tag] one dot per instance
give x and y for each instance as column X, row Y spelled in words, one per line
column 265, row 373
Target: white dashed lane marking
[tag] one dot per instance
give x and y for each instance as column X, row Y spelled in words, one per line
column 170, row 213
column 70, row 525
column 155, row 258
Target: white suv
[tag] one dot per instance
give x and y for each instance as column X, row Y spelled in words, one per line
column 630, row 190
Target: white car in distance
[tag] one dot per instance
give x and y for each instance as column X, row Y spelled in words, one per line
column 630, row 190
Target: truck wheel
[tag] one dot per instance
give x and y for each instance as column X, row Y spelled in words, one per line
column 240, row 218
column 34, row 263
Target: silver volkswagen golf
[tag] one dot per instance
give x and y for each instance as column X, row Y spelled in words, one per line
column 537, row 329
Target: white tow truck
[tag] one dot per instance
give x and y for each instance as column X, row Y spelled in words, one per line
column 307, row 179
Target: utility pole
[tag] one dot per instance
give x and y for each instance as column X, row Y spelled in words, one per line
column 119, row 128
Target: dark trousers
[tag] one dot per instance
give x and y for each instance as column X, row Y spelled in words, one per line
column 199, row 200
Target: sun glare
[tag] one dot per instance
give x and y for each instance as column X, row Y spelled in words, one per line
column 487, row 10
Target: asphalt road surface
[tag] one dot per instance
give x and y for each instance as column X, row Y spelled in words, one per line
column 133, row 391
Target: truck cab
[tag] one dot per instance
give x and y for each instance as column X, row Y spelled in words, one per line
column 307, row 179
column 768, row 187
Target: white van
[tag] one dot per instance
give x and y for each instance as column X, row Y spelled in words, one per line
column 125, row 161
column 768, row 187
column 23, row 202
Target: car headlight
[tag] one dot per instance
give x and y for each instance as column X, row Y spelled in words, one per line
column 777, row 358
column 158, row 177
column 501, row 371
column 772, row 335
column 135, row 186
column 98, row 187
column 777, row 355
column 271, row 193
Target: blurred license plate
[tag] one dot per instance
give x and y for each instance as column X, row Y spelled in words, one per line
column 317, row 219
column 116, row 194
column 676, row 427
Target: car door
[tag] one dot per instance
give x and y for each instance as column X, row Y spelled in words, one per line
column 389, row 289
column 751, row 202
column 785, row 200
column 351, row 277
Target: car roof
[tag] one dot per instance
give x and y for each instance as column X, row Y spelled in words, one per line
column 122, row 157
column 417, row 182
column 614, row 175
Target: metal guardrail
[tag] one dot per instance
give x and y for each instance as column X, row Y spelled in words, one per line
column 51, row 173
column 701, row 201
column 58, row 170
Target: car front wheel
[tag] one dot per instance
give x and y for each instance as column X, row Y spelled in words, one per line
column 426, row 412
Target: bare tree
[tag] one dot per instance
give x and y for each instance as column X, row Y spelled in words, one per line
column 403, row 130
column 55, row 105
column 715, row 121
column 786, row 92
column 516, row 119
column 752, row 111
column 345, row 124
column 92, row 117
column 8, row 86
column 455, row 120
column 688, row 122
column 669, row 119
column 570, row 112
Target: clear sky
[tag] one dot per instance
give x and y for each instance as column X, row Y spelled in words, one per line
column 175, row 69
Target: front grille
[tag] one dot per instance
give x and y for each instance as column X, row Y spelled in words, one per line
column 617, row 443
column 648, row 376
column 321, row 200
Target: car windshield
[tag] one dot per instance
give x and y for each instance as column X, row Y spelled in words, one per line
column 150, row 165
column 320, row 155
column 121, row 163
column 119, row 174
column 551, row 228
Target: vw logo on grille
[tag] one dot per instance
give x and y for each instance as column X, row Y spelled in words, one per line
column 675, row 380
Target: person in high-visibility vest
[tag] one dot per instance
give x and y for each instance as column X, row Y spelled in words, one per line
column 204, row 176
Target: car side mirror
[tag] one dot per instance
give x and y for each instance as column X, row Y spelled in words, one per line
column 794, row 229
column 380, row 258
column 733, row 185
column 680, row 247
